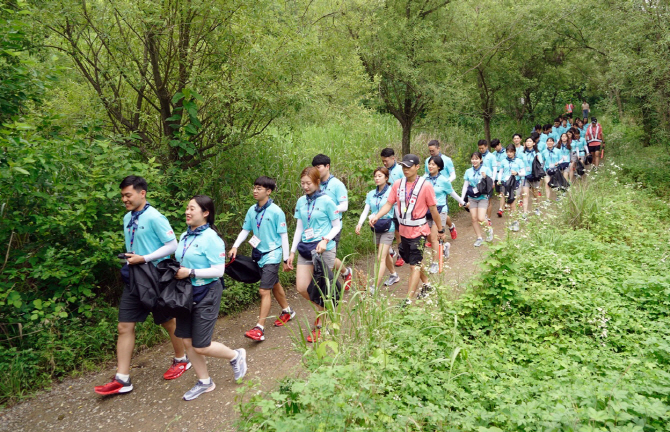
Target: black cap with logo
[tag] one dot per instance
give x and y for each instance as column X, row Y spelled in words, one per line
column 410, row 160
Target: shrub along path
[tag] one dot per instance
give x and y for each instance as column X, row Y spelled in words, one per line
column 156, row 404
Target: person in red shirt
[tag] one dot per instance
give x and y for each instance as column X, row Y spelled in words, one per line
column 412, row 197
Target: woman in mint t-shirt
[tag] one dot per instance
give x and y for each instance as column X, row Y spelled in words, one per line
column 476, row 204
column 202, row 256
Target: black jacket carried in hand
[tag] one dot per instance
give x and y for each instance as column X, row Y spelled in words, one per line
column 243, row 269
column 537, row 172
column 324, row 285
column 143, row 278
column 556, row 180
column 176, row 297
column 579, row 167
column 510, row 188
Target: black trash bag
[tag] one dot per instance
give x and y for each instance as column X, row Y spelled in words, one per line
column 589, row 159
column 557, row 181
column 243, row 269
column 143, row 278
column 511, row 186
column 324, row 285
column 176, row 298
column 579, row 167
column 537, row 172
column 484, row 188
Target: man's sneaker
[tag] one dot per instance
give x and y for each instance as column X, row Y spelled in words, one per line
column 256, row 334
column 116, row 386
column 429, row 244
column 478, row 242
column 347, row 279
column 537, row 211
column 425, row 290
column 515, row 226
column 284, row 318
column 447, row 248
column 434, row 268
column 177, row 369
column 489, row 236
column 488, row 221
column 453, row 232
column 198, row 389
column 240, row 364
column 392, row 279
column 539, row 193
column 399, row 262
column 315, row 335
column 391, row 251
column 500, row 212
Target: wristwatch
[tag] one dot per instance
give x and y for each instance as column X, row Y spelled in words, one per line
column 192, row 273
column 441, row 231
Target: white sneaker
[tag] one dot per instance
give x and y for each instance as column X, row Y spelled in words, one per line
column 537, row 211
column 434, row 268
column 479, row 242
column 515, row 226
column 447, row 247
column 489, row 236
column 392, row 279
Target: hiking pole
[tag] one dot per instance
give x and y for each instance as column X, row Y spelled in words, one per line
column 440, row 254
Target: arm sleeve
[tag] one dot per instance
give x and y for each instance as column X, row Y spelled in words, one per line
column 166, row 250
column 240, row 238
column 366, row 210
column 458, row 199
column 586, row 149
column 449, row 165
column 284, row 246
column 452, row 176
column 465, row 189
column 343, row 206
column 215, row 271
column 337, row 226
column 297, row 236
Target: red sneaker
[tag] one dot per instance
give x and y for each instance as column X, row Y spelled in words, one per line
column 256, row 334
column 116, row 386
column 500, row 213
column 399, row 262
column 429, row 244
column 284, row 318
column 539, row 193
column 177, row 369
column 347, row 279
column 315, row 335
column 488, row 221
column 453, row 232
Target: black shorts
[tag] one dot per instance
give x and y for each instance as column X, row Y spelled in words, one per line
column 411, row 250
column 594, row 148
column 269, row 276
column 131, row 309
column 337, row 239
column 199, row 327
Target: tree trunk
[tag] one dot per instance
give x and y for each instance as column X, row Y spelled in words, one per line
column 406, row 135
column 487, row 128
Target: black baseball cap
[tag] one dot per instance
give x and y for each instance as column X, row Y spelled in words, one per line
column 594, row 120
column 410, row 160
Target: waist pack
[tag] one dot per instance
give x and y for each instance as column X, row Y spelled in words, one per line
column 257, row 255
column 382, row 226
column 429, row 216
column 305, row 249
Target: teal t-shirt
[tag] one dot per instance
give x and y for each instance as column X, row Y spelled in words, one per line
column 268, row 225
column 489, row 163
column 473, row 177
column 528, row 156
column 201, row 252
column 152, row 232
column 551, row 158
column 395, row 173
column 516, row 164
column 317, row 215
column 336, row 190
column 579, row 147
column 448, row 166
column 442, row 188
column 377, row 200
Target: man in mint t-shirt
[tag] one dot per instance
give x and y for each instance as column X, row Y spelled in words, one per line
column 395, row 173
column 267, row 222
column 149, row 238
column 337, row 191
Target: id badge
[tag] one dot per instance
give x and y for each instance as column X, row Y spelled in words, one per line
column 254, row 242
column 309, row 233
column 475, row 190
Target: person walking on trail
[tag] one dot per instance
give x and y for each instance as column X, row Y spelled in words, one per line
column 317, row 224
column 551, row 159
column 585, row 110
column 412, row 197
column 478, row 202
column 434, row 150
column 500, row 156
column 511, row 166
column 395, row 173
column 267, row 222
column 384, row 231
column 443, row 189
column 569, row 107
column 594, row 139
column 489, row 163
column 149, row 239
column 335, row 189
column 529, row 185
column 202, row 256
column 579, row 152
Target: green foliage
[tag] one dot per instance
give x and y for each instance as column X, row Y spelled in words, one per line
column 565, row 328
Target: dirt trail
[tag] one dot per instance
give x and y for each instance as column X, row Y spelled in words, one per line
column 156, row 404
